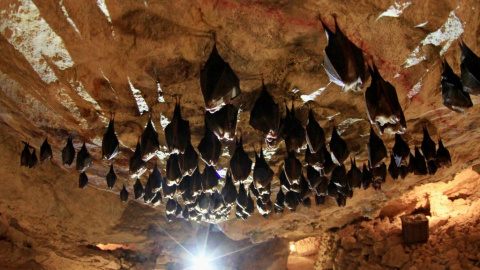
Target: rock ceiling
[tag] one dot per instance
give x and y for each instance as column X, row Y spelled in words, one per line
column 65, row 66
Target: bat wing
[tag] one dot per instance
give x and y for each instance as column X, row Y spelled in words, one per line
column 188, row 161
column 174, row 175
column 453, row 95
column 338, row 147
column 138, row 190
column 470, row 67
column 315, row 135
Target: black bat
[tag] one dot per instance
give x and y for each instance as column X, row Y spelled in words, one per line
column 185, row 184
column 157, row 199
column 254, row 191
column 171, row 206
column 325, row 160
column 429, row 151
column 177, row 132
column 319, row 200
column 210, row 179
column 110, row 141
column 264, row 208
column 307, row 202
column 470, row 67
column 149, row 194
column 170, row 217
column 291, row 201
column 338, row 147
column 82, row 180
column 229, row 192
column 354, row 175
column 383, row 108
column 124, row 194
column 292, row 130
column 218, row 202
column 187, row 195
column 168, row 191
column 304, row 188
column 454, row 97
column 343, row 62
column 311, row 159
column 393, row 169
column 33, row 159
column 332, row 190
column 279, row 202
column 322, row 187
column 339, row 176
column 137, row 165
column 68, row 152
column 156, row 180
column 188, row 161
column 223, row 122
column 367, row 178
column 111, row 178
column 283, row 181
column 313, row 177
column 376, row 149
column 240, row 164
column 442, row 158
column 379, row 176
column 315, row 135
column 401, row 151
column 292, row 167
column 265, row 116
column 239, row 213
column 174, row 175
column 417, row 164
column 218, row 82
column 197, row 179
column 250, row 206
column 138, row 190
column 45, row 151
column 150, row 144
column 242, row 196
column 84, row 160
column 26, row 155
column 262, row 174
column 209, row 147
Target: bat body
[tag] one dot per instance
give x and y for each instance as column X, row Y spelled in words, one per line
column 156, row 199
column 111, row 178
column 209, row 147
column 242, row 199
column 240, row 164
column 82, row 180
column 168, row 191
column 401, row 151
column 210, row 179
column 367, row 178
column 354, row 175
column 470, row 67
column 223, row 122
column 218, row 82
column 343, row 62
column 454, row 97
column 376, row 149
column 149, row 194
column 45, row 151
column 265, row 116
column 177, row 132
column 138, row 190
column 229, row 192
column 84, row 160
column 188, row 161
column 339, row 176
column 315, row 135
column 338, row 147
column 279, row 202
column 262, row 174
column 156, row 180
column 149, row 141
column 393, row 169
column 26, row 155
column 292, row 131
column 110, row 142
column 137, row 165
column 33, row 161
column 124, row 194
column 68, row 152
column 429, row 151
column 442, row 158
column 325, row 160
column 383, row 108
column 291, row 201
column 174, row 175
column 293, row 168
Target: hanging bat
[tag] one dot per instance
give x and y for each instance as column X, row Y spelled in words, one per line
column 379, row 173
column 82, row 180
column 264, row 208
column 45, row 151
column 403, row 171
column 279, row 202
column 304, row 188
column 149, row 194
column 262, row 174
column 156, row 179
column 313, row 177
column 174, row 175
column 283, row 181
column 367, row 178
column 218, row 202
column 322, row 187
column 168, row 191
column 178, row 211
column 210, row 179
column 401, row 151
column 242, row 199
column 417, row 164
column 442, row 158
column 393, row 170
column 470, row 67
column 68, row 152
column 110, row 141
column 354, row 175
column 254, row 191
column 338, row 147
column 339, row 176
column 124, row 194
column 223, row 122
column 315, row 135
column 240, row 164
column 84, row 160
column 170, row 207
column 229, row 192
column 319, row 200
column 250, row 206
column 33, row 159
column 111, row 178
column 209, row 147
column 429, row 151
column 239, row 213
column 185, row 184
column 188, row 161
column 188, row 197
column 292, row 167
column 150, row 144
column 343, row 62
column 291, row 201
column 218, row 82
column 157, row 199
column 311, row 159
column 137, row 165
column 332, row 190
column 177, row 132
column 265, row 116
column 138, row 190
column 376, row 149
column 292, row 130
column 197, row 179
column 26, row 155
column 325, row 160
column 454, row 97
column 383, row 108
column 307, row 202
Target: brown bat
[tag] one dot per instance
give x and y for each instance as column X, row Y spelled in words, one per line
column 110, row 141
column 177, row 132
column 84, row 160
column 68, row 152
column 262, row 174
column 376, row 149
column 45, row 151
column 314, row 134
column 150, row 144
column 292, row 131
column 111, row 178
column 338, row 147
column 223, row 122
column 454, row 96
column 470, row 67
column 240, row 164
column 265, row 116
column 188, row 161
column 209, row 147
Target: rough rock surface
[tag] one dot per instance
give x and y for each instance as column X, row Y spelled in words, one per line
column 65, row 65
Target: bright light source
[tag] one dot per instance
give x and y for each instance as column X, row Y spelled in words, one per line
column 201, row 263
column 292, row 247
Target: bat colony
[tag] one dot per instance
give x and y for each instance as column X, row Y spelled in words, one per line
column 207, row 197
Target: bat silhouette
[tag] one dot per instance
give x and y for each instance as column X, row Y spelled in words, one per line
column 279, row 202
column 325, row 160
column 417, row 163
column 138, row 190
column 223, row 122
column 313, row 177
column 242, row 199
column 218, row 82
column 229, row 192
column 338, row 147
column 442, row 158
column 292, row 130
column 315, row 135
column 84, row 160
column 429, row 151
column 339, row 176
column 45, row 151
column 354, row 175
column 367, row 178
column 209, row 147
column 185, row 184
column 262, row 174
column 174, row 175
column 149, row 194
column 26, row 155
column 137, row 165
column 383, row 108
column 168, row 191
column 82, row 180
column 454, row 97
column 343, row 62
column 33, row 159
column 210, row 179
column 393, row 170
column 401, row 151
column 110, row 141
column 68, row 152
column 188, row 161
column 265, row 116
column 156, row 180
column 157, row 199
column 177, row 132
column 124, row 194
column 171, row 206
column 293, row 168
column 240, row 164
column 304, row 188
column 470, row 67
column 197, row 180
column 291, row 201
column 149, row 141
column 111, row 178
column 319, row 200
column 376, row 149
